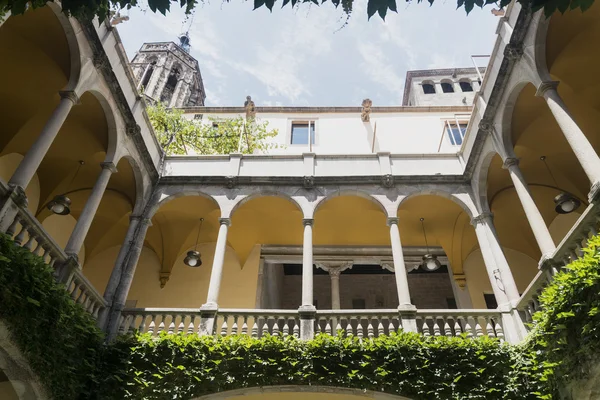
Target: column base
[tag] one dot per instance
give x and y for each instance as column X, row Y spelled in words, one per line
column 408, row 317
column 9, row 206
column 208, row 316
column 594, row 194
column 307, row 321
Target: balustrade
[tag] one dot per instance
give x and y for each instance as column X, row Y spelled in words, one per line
column 471, row 323
column 359, row 323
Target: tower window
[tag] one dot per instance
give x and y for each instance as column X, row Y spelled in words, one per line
column 148, row 74
column 300, row 132
column 428, row 87
column 447, row 87
column 465, row 86
column 167, row 93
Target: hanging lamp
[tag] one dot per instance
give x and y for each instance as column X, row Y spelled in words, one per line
column 430, row 261
column 61, row 204
column 192, row 258
column 565, row 202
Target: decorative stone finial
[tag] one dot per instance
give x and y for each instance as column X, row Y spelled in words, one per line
column 365, row 115
column 250, row 108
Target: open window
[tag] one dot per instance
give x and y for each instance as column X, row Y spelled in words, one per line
column 428, row 87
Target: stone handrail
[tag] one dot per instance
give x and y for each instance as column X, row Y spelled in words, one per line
column 360, row 323
column 472, row 323
column 28, row 233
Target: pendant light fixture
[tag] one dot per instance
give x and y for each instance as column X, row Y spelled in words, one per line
column 192, row 258
column 61, row 204
column 430, row 261
column 565, row 202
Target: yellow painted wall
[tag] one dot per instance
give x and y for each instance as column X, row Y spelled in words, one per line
column 523, row 268
column 7, row 392
column 8, row 165
column 561, row 225
column 98, row 269
column 60, row 228
column 188, row 287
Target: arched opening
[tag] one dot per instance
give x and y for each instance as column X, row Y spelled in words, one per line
column 170, row 85
column 162, row 279
column 447, row 86
column 465, row 85
column 446, row 232
column 7, row 391
column 267, row 234
column 428, row 87
column 148, row 74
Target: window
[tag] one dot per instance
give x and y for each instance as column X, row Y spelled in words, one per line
column 428, row 87
column 466, row 86
column 490, row 301
column 300, row 132
column 170, row 86
column 148, row 74
column 358, row 304
column 447, row 87
column 456, row 131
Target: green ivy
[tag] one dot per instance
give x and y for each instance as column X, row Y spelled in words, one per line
column 565, row 339
column 59, row 339
column 408, row 364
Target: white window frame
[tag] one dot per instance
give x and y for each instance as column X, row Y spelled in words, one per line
column 459, row 119
column 309, row 121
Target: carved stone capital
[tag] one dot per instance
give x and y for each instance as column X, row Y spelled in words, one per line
column 109, row 166
column 546, row 86
column 164, row 278
column 18, row 195
column 230, row 182
column 225, row 221
column 133, row 129
column 461, row 280
column 510, row 162
column 308, row 182
column 482, row 218
column 308, row 221
column 486, row 125
column 134, row 217
column 334, row 268
column 387, row 266
column 392, row 221
column 70, row 95
column 513, row 51
column 387, row 181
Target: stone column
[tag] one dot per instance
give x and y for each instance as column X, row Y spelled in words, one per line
column 38, row 150
column 307, row 310
column 534, row 217
column 89, row 210
column 585, row 153
column 406, row 309
column 501, row 278
column 117, row 270
column 127, row 274
column 208, row 311
column 334, row 275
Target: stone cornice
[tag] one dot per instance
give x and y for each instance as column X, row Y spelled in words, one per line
column 328, row 110
column 505, row 69
column 109, row 76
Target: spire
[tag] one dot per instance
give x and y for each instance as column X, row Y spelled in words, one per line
column 184, row 38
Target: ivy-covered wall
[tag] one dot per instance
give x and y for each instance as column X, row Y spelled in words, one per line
column 66, row 350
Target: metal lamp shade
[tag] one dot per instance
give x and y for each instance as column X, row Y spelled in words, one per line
column 60, row 205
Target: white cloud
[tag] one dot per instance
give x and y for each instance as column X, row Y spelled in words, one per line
column 380, row 70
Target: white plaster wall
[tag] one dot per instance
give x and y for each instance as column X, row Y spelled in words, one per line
column 345, row 133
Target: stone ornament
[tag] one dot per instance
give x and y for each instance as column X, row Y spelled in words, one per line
column 230, row 182
column 164, row 278
column 513, row 51
column 461, row 280
column 250, row 108
column 365, row 114
column 308, row 182
column 387, row 181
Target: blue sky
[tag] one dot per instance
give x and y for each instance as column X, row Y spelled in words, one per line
column 299, row 57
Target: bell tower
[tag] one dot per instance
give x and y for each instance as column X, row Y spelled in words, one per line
column 166, row 72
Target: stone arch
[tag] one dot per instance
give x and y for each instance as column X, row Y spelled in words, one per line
column 25, row 383
column 541, row 24
column 165, row 198
column 72, row 42
column 506, row 115
column 464, row 200
column 352, row 192
column 328, row 390
column 267, row 193
column 485, row 161
column 112, row 133
column 138, row 205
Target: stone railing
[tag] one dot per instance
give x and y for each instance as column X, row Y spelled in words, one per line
column 569, row 249
column 28, row 233
column 359, row 323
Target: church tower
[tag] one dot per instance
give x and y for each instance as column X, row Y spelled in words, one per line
column 166, row 72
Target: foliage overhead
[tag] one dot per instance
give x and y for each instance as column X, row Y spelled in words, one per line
column 182, row 136
column 88, row 9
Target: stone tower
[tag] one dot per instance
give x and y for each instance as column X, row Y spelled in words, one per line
column 169, row 74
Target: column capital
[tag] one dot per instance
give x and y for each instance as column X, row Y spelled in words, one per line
column 481, row 218
column 308, row 221
column 134, row 217
column 109, row 165
column 335, row 272
column 510, row 162
column 392, row 221
column 486, row 125
column 225, row 221
column 545, row 86
column 69, row 94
